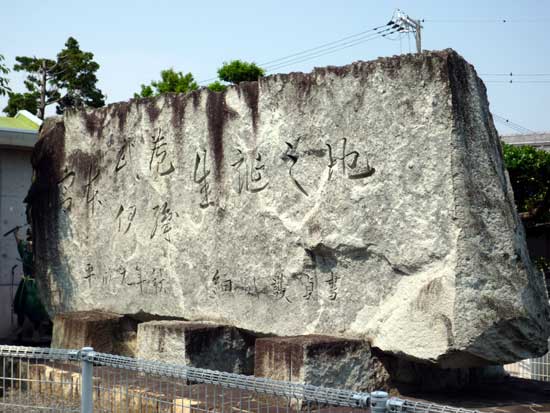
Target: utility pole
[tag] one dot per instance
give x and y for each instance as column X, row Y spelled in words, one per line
column 408, row 25
column 43, row 83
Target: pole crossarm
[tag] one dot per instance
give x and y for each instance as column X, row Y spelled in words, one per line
column 406, row 24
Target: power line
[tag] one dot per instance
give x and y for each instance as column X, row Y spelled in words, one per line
column 512, row 125
column 511, row 74
column 207, row 80
column 319, row 54
column 392, row 27
column 334, row 48
column 330, row 47
column 322, row 46
column 329, row 50
column 317, row 51
column 485, row 20
column 511, row 81
column 515, row 77
column 399, row 23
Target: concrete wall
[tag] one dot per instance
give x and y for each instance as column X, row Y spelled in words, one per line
column 15, row 179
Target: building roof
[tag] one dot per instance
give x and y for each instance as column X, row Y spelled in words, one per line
column 538, row 140
column 19, row 132
column 23, row 120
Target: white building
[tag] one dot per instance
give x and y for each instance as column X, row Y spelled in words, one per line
column 17, row 138
column 538, row 140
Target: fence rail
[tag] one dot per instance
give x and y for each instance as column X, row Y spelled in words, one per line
column 44, row 379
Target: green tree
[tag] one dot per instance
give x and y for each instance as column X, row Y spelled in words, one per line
column 238, row 71
column 4, row 88
column 529, row 171
column 217, row 86
column 20, row 101
column 39, row 83
column 68, row 81
column 76, row 75
column 170, row 81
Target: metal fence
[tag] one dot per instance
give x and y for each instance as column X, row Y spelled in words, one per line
column 42, row 379
column 534, row 369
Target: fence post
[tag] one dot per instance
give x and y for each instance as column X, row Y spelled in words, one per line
column 86, row 381
column 378, row 401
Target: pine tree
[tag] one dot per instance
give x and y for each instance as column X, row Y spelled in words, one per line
column 68, row 81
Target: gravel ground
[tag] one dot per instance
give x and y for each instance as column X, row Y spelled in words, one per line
column 19, row 402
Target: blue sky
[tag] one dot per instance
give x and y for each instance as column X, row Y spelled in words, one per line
column 134, row 40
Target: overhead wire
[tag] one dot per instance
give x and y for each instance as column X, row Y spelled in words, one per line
column 512, row 125
column 327, row 48
column 511, row 74
column 323, row 45
column 330, row 50
column 512, row 78
column 511, row 81
column 201, row 82
column 366, row 35
column 533, row 20
column 385, row 31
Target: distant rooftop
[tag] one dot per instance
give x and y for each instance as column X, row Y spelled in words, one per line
column 24, row 120
column 538, row 140
column 19, row 132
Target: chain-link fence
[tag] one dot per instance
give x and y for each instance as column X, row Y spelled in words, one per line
column 43, row 379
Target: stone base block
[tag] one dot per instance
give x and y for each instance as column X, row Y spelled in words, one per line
column 105, row 332
column 321, row 361
column 353, row 364
column 209, row 346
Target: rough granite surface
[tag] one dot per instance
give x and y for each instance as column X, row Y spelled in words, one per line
column 367, row 201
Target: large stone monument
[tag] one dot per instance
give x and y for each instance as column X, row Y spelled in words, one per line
column 367, row 201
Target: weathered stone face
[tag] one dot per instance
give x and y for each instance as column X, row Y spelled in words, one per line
column 367, row 201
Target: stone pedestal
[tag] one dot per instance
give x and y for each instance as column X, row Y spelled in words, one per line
column 352, row 364
column 209, row 346
column 105, row 332
column 321, row 361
